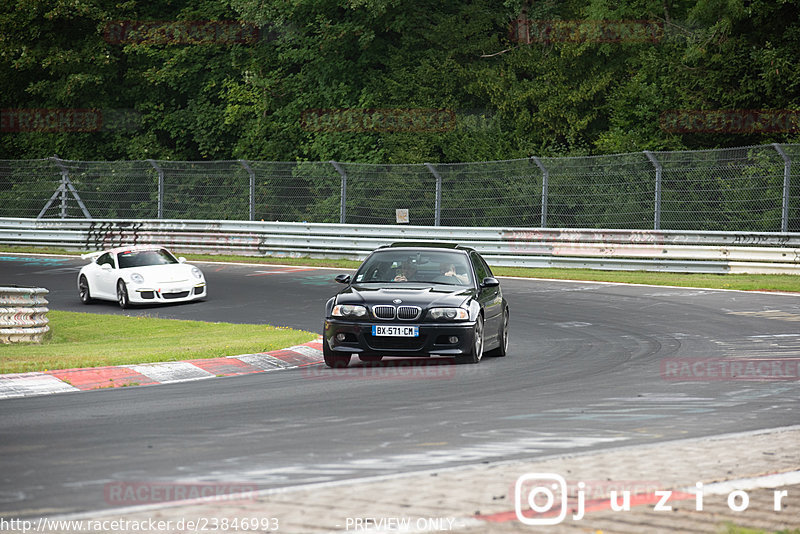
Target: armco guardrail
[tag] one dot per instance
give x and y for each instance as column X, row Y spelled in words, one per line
column 23, row 315
column 708, row 252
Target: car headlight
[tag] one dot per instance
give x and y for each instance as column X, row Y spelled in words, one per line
column 349, row 310
column 197, row 273
column 137, row 278
column 449, row 314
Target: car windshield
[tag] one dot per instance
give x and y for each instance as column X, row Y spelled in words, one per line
column 422, row 266
column 143, row 258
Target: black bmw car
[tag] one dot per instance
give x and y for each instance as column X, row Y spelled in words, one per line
column 417, row 299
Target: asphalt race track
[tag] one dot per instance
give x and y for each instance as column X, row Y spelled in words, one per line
column 587, row 369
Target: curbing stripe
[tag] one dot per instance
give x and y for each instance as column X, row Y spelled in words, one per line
column 101, row 377
column 170, row 372
column 31, row 384
column 65, row 380
column 263, row 361
column 225, row 366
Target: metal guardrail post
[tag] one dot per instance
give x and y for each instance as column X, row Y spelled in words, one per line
column 252, row 188
column 437, row 207
column 787, row 173
column 64, row 186
column 545, row 187
column 160, row 188
column 343, row 205
column 657, row 207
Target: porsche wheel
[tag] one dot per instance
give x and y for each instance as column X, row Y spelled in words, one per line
column 122, row 295
column 83, row 290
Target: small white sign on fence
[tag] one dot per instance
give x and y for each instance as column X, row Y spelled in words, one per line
column 401, row 215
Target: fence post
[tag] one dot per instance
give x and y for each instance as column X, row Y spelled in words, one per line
column 437, row 207
column 787, row 173
column 252, row 188
column 545, row 187
column 64, row 186
column 343, row 205
column 160, row 188
column 657, row 208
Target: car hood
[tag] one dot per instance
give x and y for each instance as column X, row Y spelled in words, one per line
column 412, row 294
column 176, row 272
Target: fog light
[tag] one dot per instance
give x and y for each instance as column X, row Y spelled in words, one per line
column 340, row 337
column 453, row 339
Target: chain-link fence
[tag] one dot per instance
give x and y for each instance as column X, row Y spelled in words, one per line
column 738, row 189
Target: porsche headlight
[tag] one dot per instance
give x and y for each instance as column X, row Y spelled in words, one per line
column 349, row 310
column 448, row 314
column 137, row 278
column 197, row 273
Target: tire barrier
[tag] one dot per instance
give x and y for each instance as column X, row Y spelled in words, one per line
column 23, row 314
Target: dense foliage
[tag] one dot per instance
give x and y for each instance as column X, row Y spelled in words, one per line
column 508, row 97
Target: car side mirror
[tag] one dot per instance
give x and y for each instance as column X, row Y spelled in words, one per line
column 181, row 260
column 106, row 266
column 490, row 281
column 343, row 278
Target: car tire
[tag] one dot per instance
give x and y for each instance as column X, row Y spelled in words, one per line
column 502, row 350
column 370, row 358
column 83, row 290
column 476, row 351
column 333, row 360
column 122, row 296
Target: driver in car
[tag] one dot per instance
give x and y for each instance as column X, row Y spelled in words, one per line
column 449, row 270
column 406, row 272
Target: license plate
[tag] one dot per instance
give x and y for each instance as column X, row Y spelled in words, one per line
column 395, row 331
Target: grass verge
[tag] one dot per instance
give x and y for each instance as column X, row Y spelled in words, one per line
column 94, row 340
column 745, row 282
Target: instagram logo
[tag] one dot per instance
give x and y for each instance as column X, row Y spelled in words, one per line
column 540, row 492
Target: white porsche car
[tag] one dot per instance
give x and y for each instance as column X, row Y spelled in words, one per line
column 139, row 275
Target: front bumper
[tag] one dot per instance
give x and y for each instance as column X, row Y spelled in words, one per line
column 348, row 337
column 167, row 293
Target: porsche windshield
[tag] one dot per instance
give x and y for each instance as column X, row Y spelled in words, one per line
column 143, row 258
column 431, row 267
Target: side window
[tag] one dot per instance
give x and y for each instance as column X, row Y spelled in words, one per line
column 485, row 266
column 481, row 270
column 106, row 259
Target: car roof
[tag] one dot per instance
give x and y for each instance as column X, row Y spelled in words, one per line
column 426, row 244
column 117, row 250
